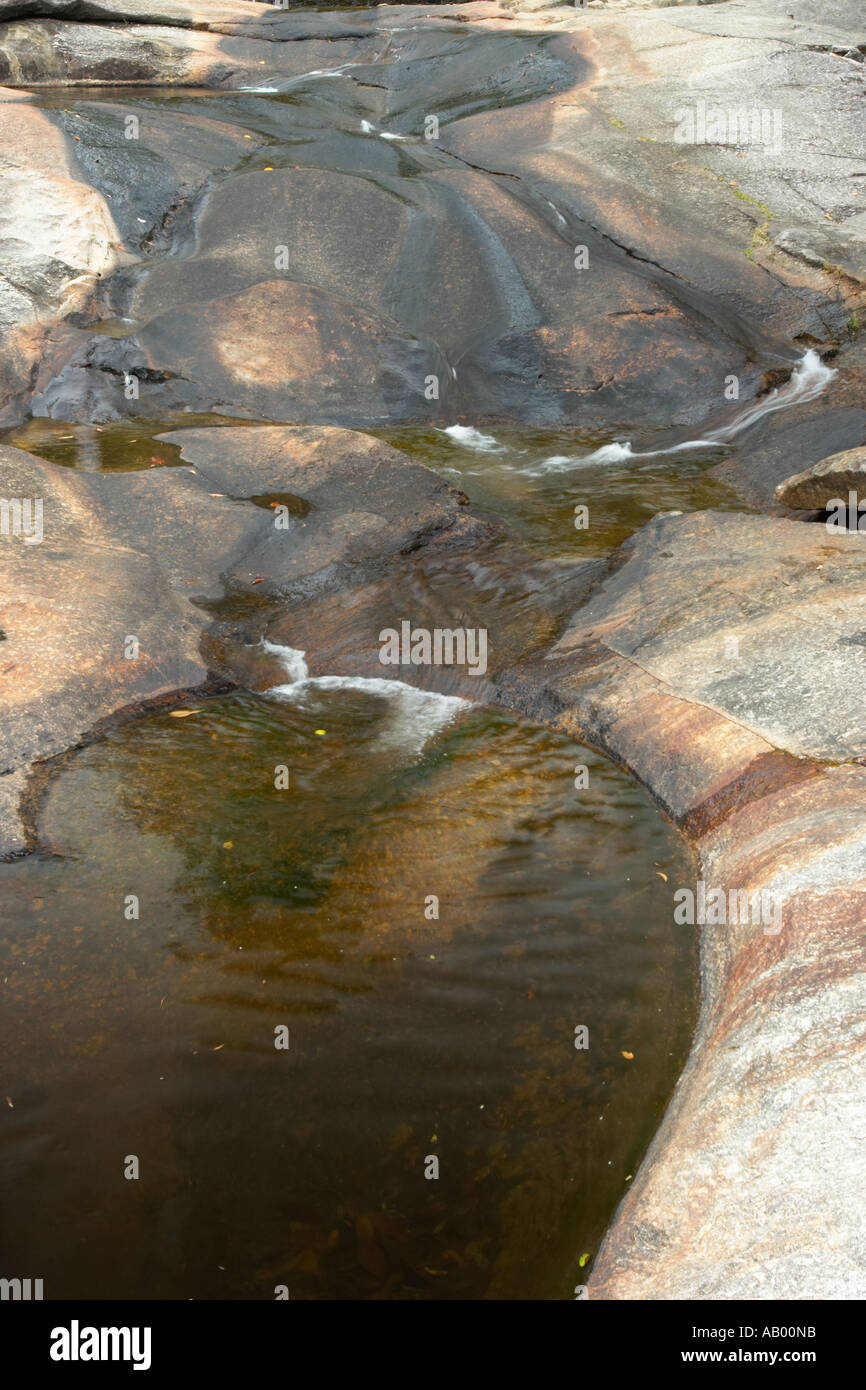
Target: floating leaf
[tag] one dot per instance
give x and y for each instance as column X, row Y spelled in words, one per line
column 183, row 713
column 584, row 1259
column 661, row 875
column 629, row 1056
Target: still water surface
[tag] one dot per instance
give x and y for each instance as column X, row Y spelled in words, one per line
column 410, row 1036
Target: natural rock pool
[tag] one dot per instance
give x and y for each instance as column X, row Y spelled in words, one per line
column 409, row 1035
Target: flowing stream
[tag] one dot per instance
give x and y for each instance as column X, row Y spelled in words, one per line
column 425, row 909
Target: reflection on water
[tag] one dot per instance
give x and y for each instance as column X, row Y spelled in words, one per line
column 124, row 446
column 411, row 1035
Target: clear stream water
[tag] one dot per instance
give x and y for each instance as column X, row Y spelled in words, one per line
column 413, row 1033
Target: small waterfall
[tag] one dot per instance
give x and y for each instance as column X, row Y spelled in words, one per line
column 807, row 382
column 414, row 715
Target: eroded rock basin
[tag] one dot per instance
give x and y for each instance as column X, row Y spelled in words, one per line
column 210, row 284
column 410, row 1035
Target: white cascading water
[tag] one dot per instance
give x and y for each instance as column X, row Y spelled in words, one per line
column 807, row 382
column 297, row 81
column 414, row 715
column 471, row 438
column 367, row 128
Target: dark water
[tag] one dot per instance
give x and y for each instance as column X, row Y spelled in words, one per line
column 409, row 1037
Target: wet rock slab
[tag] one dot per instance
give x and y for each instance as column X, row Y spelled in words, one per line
column 410, row 259
column 45, row 52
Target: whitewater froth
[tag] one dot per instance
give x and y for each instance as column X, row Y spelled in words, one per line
column 414, row 715
column 807, row 382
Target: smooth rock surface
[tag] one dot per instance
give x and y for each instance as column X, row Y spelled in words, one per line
column 57, row 238
column 78, row 201
column 367, row 502
column 447, row 259
column 831, row 479
column 761, row 621
column 402, row 266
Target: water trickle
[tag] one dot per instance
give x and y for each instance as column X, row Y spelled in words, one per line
column 807, row 383
column 414, row 717
column 470, row 438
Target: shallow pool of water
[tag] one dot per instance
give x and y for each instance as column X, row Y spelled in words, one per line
column 411, row 1037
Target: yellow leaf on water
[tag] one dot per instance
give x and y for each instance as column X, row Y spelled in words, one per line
column 583, row 1259
column 629, row 1056
column 661, row 875
column 228, row 844
column 183, row 713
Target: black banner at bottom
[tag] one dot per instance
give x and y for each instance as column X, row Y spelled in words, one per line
column 152, row 1338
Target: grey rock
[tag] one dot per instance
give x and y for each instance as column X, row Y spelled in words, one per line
column 748, row 617
column 826, row 482
column 839, row 248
